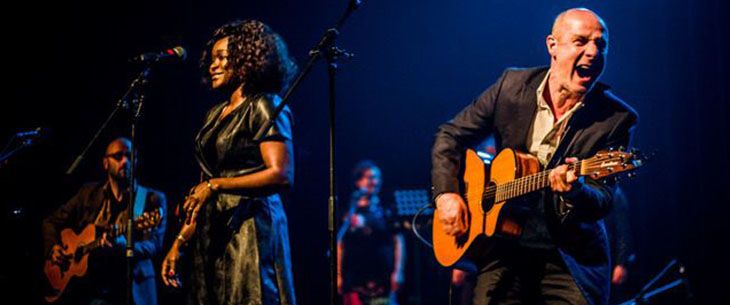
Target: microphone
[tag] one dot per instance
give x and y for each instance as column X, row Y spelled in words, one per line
column 35, row 133
column 172, row 54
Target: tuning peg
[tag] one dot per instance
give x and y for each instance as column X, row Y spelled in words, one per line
column 621, row 148
column 611, row 148
column 631, row 175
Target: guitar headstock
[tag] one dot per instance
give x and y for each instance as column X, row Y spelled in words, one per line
column 610, row 162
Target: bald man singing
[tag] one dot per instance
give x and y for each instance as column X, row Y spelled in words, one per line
column 558, row 114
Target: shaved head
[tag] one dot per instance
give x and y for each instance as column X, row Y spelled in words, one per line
column 566, row 18
column 117, row 144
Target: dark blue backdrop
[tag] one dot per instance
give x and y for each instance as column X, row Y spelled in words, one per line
column 418, row 63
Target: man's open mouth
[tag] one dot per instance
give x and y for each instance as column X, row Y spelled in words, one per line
column 585, row 72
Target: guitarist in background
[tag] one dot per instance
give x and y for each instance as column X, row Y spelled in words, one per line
column 556, row 113
column 105, row 205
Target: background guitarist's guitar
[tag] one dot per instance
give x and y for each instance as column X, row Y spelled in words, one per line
column 77, row 248
column 512, row 174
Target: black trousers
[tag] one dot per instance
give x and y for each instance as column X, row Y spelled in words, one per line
column 510, row 274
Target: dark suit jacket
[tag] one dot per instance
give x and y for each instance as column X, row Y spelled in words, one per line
column 619, row 231
column 507, row 110
column 82, row 210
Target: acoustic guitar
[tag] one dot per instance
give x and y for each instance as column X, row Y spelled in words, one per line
column 512, row 174
column 76, row 247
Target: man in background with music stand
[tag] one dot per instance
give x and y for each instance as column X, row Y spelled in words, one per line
column 104, row 205
column 553, row 113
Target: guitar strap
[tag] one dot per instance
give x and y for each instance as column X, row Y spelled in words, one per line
column 139, row 201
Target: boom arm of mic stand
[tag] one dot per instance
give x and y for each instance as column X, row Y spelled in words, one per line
column 120, row 104
column 646, row 298
column 322, row 47
column 645, row 293
column 80, row 157
column 5, row 157
column 654, row 280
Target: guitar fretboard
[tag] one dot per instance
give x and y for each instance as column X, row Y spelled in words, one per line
column 523, row 185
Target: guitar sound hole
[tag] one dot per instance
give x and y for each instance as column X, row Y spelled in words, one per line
column 488, row 198
column 78, row 254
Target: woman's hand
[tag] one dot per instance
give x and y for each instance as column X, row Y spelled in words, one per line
column 169, row 274
column 197, row 199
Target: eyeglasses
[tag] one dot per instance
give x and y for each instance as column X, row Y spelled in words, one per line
column 119, row 155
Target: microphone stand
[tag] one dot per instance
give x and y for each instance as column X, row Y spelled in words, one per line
column 24, row 142
column 137, row 103
column 645, row 295
column 132, row 99
column 326, row 49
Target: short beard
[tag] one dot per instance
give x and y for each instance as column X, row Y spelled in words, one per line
column 119, row 179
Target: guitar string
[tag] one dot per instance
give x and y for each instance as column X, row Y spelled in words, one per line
column 530, row 180
column 533, row 182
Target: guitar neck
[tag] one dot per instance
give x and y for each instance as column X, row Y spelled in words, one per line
column 84, row 249
column 98, row 241
column 116, row 230
column 525, row 185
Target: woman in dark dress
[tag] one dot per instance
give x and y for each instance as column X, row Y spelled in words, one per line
column 235, row 222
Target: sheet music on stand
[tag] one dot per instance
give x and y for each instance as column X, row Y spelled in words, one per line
column 408, row 202
column 410, row 205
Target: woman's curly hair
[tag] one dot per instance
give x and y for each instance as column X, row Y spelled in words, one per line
column 257, row 56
